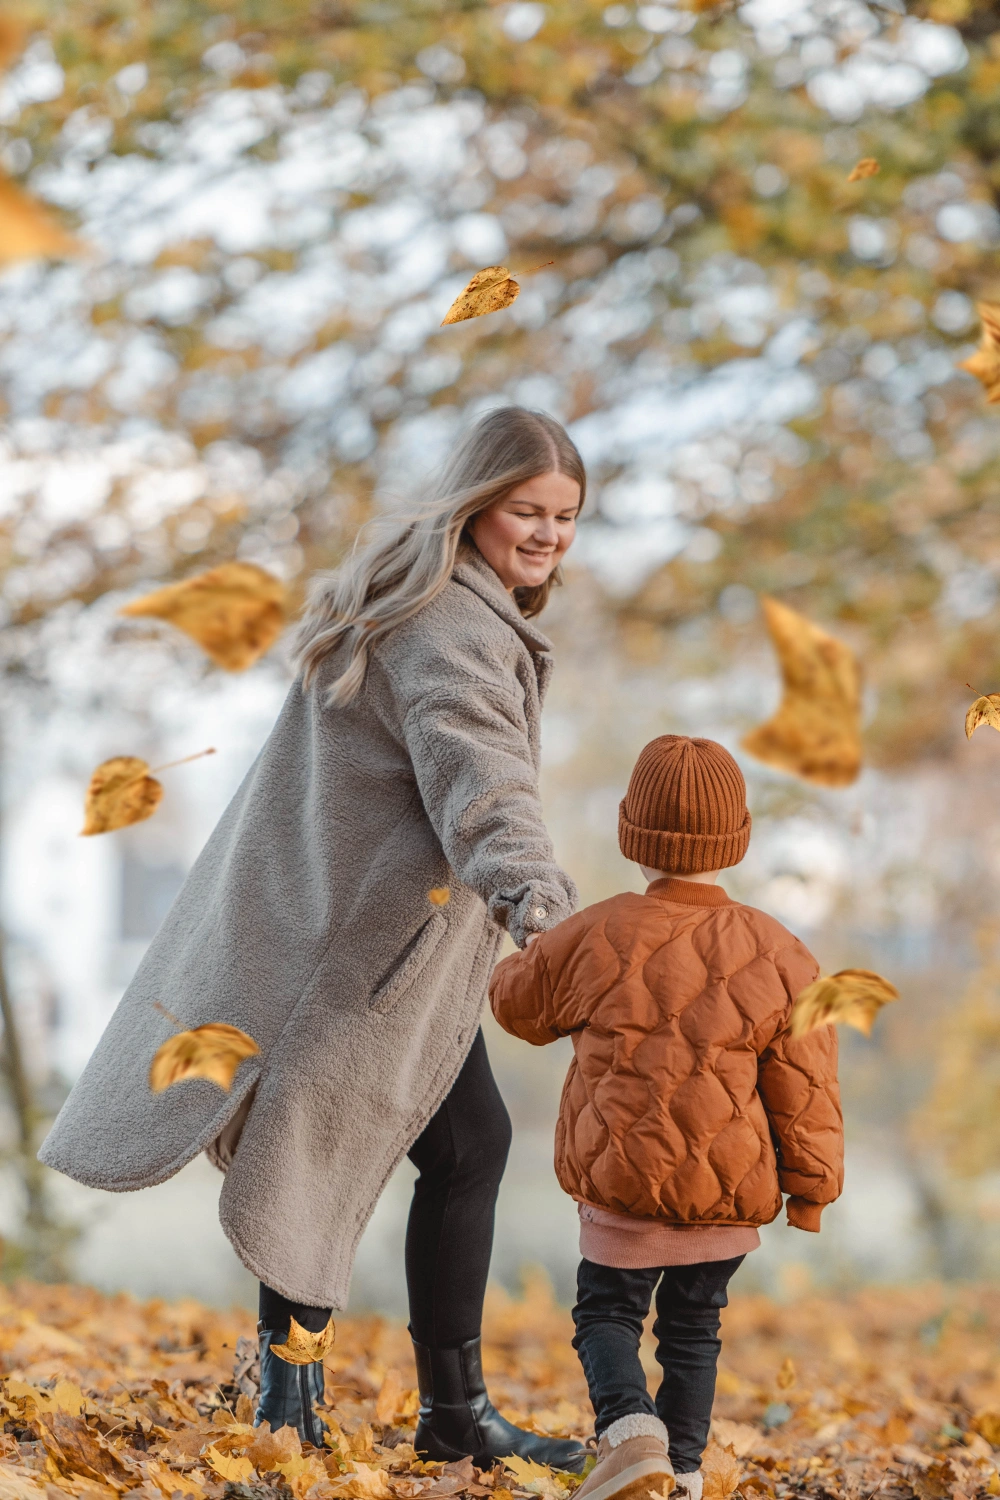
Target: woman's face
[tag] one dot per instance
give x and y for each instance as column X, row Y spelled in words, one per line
column 523, row 536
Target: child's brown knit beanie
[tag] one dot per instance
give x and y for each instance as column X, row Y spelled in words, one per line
column 686, row 807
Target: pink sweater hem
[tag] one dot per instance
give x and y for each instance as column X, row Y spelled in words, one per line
column 608, row 1239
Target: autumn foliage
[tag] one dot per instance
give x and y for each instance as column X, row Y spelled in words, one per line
column 823, row 1397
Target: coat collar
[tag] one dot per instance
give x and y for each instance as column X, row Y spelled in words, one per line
column 688, row 892
column 472, row 570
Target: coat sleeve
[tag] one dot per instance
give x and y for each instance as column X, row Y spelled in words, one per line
column 467, row 736
column 797, row 1082
column 529, row 993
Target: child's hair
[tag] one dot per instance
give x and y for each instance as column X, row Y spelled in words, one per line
column 410, row 557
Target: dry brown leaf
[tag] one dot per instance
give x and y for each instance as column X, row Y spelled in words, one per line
column 120, row 793
column 987, row 1424
column 365, row 1483
column 985, row 363
column 76, row 1448
column 721, row 1472
column 304, row 1348
column 490, row 290
column 440, row 895
column 170, row 1481
column 269, row 1449
column 741, row 1437
column 244, row 1408
column 816, row 732
column 234, row 1470
column 213, row 1051
column 985, row 710
column 235, row 612
column 390, row 1393
column 786, row 1376
column 29, row 230
column 866, row 167
column 852, row 997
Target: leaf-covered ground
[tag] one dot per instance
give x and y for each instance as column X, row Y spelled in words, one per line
column 890, row 1389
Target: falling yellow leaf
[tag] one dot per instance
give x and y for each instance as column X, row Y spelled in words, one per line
column 721, row 1472
column 786, row 1377
column 302, row 1347
column 985, row 363
column 488, row 291
column 816, row 732
column 985, row 710
column 213, row 1051
column 439, row 896
column 852, row 997
column 120, row 793
column 28, row 229
column 866, row 167
column 234, row 1470
column 235, row 612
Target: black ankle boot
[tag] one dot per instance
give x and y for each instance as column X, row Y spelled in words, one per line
column 288, row 1393
column 457, row 1417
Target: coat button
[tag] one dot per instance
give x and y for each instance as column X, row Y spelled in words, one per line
column 541, row 911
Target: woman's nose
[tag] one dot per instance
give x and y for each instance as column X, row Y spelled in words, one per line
column 546, row 531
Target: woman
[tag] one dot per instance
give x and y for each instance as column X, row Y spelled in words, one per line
column 402, row 770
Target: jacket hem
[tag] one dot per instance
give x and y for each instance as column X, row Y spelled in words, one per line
column 53, row 1160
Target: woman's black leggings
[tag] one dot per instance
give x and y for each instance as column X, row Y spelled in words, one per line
column 461, row 1157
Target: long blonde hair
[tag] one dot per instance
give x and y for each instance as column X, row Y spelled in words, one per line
column 409, row 558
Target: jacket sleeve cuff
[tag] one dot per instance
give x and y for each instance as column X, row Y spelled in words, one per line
column 534, row 908
column 804, row 1215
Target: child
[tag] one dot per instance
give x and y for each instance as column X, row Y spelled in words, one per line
column 687, row 1111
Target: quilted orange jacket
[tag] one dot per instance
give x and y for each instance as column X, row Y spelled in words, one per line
column 687, row 1099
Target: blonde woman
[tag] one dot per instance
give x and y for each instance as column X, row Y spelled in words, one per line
column 347, row 913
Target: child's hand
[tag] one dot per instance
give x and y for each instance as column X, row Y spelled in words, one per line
column 530, row 939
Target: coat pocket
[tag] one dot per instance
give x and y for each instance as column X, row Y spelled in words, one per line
column 410, row 964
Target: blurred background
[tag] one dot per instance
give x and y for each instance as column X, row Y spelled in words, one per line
column 228, row 234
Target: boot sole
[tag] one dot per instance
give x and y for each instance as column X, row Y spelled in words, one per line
column 635, row 1482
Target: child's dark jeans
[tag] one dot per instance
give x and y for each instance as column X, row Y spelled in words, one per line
column 609, row 1313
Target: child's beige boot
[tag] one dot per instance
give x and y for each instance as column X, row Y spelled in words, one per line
column 689, row 1486
column 633, row 1462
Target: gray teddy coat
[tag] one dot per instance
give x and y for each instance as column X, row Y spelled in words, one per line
column 306, row 922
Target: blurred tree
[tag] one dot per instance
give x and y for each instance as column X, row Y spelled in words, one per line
column 687, row 172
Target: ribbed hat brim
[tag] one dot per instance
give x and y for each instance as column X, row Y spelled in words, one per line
column 682, row 853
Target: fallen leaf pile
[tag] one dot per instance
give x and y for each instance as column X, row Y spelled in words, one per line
column 852, row 997
column 822, row 1398
column 816, row 732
